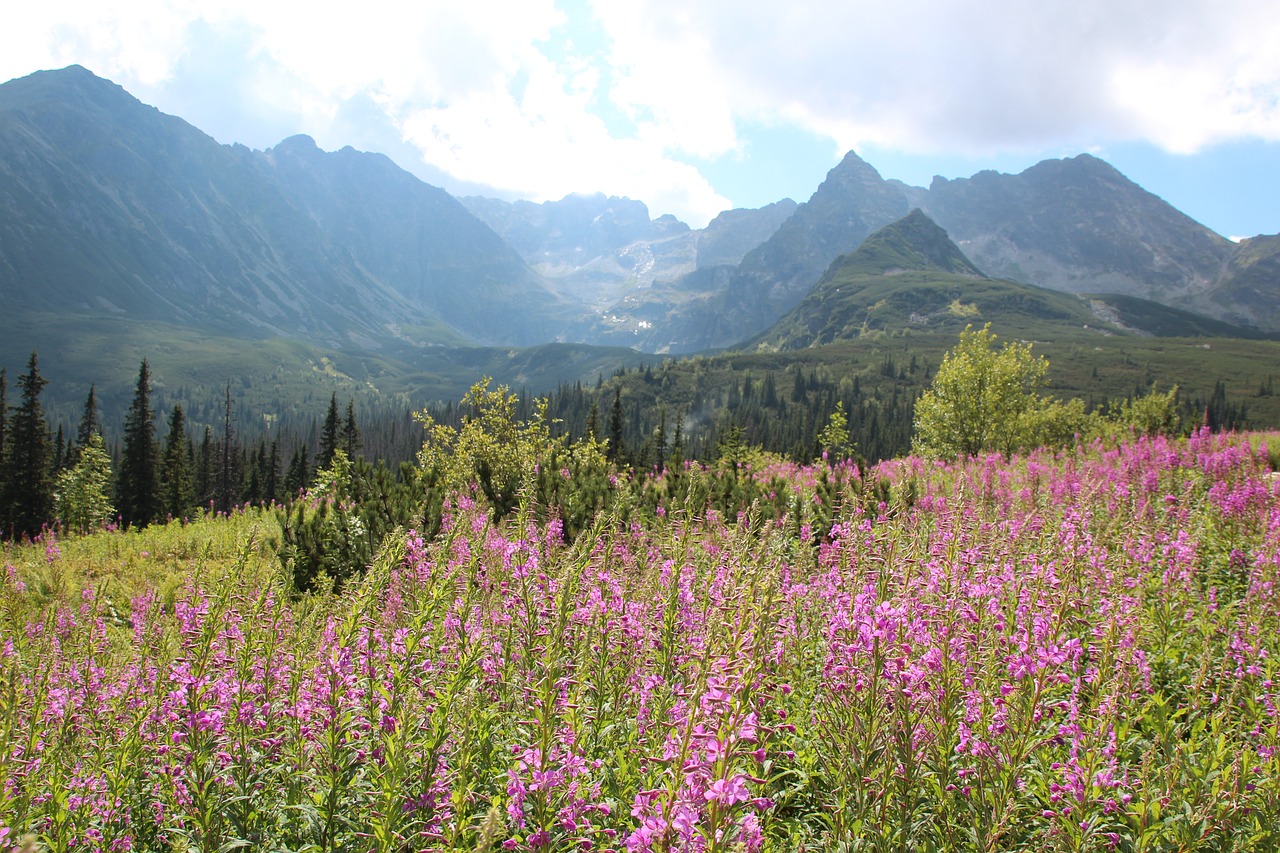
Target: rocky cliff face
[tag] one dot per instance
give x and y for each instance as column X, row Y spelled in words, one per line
column 1248, row 290
column 114, row 208
column 1078, row 225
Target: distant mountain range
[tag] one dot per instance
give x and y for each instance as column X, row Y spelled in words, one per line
column 910, row 275
column 111, row 209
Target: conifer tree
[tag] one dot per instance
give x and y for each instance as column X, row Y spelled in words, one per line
column 616, row 449
column 329, row 435
column 204, row 470
column 26, row 495
column 4, row 408
column 177, row 478
column 350, row 432
column 295, row 479
column 229, row 466
column 661, row 440
column 271, row 488
column 60, row 453
column 4, row 420
column 137, row 492
column 89, row 424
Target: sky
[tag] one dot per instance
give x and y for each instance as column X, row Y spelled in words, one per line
column 697, row 106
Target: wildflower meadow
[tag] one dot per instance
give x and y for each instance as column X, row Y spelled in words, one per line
column 1069, row 650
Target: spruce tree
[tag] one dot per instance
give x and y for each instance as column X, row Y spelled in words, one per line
column 229, row 467
column 204, row 470
column 329, row 435
column 89, row 424
column 295, row 479
column 4, row 407
column 137, row 492
column 616, row 450
column 350, row 432
column 271, row 488
column 26, row 495
column 177, row 479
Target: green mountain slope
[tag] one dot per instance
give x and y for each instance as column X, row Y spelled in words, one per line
column 910, row 276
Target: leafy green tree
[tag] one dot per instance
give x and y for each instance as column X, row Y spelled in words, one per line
column 83, row 493
column 137, row 492
column 177, row 489
column 26, row 494
column 834, row 439
column 982, row 399
column 493, row 449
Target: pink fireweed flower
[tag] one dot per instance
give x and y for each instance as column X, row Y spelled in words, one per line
column 728, row 791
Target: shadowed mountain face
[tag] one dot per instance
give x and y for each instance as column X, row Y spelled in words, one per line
column 113, row 207
column 1078, row 225
column 1248, row 290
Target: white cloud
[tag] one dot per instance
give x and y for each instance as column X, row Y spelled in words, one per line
column 513, row 94
column 935, row 76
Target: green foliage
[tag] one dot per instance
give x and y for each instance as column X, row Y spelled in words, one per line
column 177, row 486
column 330, row 535
column 82, row 499
column 1153, row 414
column 137, row 489
column 493, row 448
column 984, row 400
column 834, row 439
column 26, row 488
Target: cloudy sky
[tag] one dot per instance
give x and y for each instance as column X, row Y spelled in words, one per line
column 694, row 106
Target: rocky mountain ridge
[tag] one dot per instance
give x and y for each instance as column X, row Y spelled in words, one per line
column 113, row 209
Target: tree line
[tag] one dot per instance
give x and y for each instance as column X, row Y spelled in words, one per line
column 645, row 420
column 82, row 482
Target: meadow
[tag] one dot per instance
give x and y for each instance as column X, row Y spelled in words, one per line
column 1071, row 650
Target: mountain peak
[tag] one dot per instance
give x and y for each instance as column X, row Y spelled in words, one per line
column 299, row 143
column 915, row 242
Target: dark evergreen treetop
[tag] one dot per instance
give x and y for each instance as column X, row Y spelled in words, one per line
column 177, row 478
column 4, row 409
column 137, row 493
column 350, row 432
column 329, row 435
column 26, row 493
column 615, row 453
column 89, row 423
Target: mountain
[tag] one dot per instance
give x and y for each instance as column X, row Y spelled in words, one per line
column 633, row 279
column 1080, row 226
column 733, row 233
column 1248, row 290
column 112, row 208
column 849, row 205
column 909, row 275
column 592, row 249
